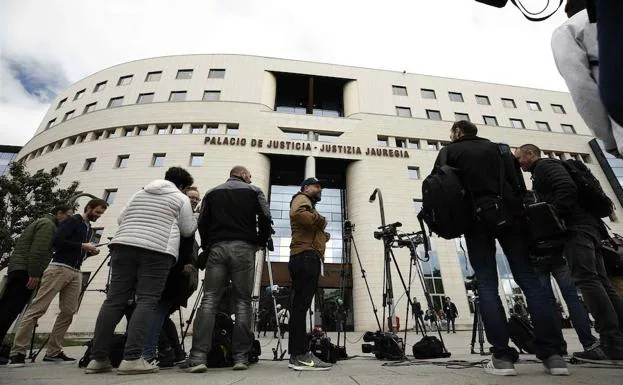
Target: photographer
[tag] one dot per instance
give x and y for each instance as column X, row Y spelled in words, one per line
column 233, row 225
column 417, row 316
column 555, row 186
column 62, row 277
column 306, row 255
column 496, row 214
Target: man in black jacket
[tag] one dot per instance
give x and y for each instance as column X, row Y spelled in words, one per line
column 478, row 162
column 234, row 223
column 554, row 185
column 63, row 276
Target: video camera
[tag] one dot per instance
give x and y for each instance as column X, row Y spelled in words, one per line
column 387, row 231
column 386, row 345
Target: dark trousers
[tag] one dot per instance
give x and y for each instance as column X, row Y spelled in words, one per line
column 419, row 324
column 451, row 320
column 15, row 298
column 610, row 36
column 481, row 249
column 304, row 271
column 589, row 273
column 134, row 270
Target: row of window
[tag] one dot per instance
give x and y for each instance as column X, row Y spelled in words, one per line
column 230, row 129
column 487, row 119
column 174, row 96
column 480, row 99
column 154, row 76
column 123, row 161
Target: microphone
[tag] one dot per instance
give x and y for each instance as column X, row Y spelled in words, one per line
column 373, row 196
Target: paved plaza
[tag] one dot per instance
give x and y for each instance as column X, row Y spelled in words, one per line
column 361, row 369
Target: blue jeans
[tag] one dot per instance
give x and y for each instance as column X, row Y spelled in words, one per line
column 481, row 250
column 151, row 344
column 577, row 312
column 227, row 260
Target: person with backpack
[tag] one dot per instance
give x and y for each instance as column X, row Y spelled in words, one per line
column 492, row 212
column 554, row 184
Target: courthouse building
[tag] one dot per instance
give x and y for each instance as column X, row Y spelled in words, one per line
column 358, row 128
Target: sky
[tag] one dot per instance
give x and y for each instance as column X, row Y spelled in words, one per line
column 46, row 45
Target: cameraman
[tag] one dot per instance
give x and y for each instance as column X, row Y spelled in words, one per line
column 554, row 185
column 478, row 162
column 306, row 254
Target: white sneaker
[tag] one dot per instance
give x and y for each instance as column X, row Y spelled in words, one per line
column 98, row 366
column 500, row 367
column 139, row 366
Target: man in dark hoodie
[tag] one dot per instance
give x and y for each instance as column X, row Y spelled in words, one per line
column 32, row 253
column 63, row 277
column 554, row 185
column 306, row 256
column 478, row 163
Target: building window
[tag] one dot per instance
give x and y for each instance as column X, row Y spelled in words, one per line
column 60, row 104
column 115, row 102
column 482, row 99
column 325, row 137
column 100, row 86
column 508, row 103
column 97, row 235
column 153, row 76
column 88, row 164
column 89, row 108
column 382, row 141
column 196, row 159
column 125, row 80
column 128, row 131
column 69, row 115
column 145, row 98
column 517, row 123
column 122, row 161
column 176, row 130
column 109, row 195
column 79, row 94
column 232, row 129
column 461, row 116
column 177, row 96
column 534, row 106
column 162, row 130
column 196, row 129
column 212, row 128
column 543, row 126
column 184, row 74
column 433, row 114
column 142, row 130
column 50, row 123
column 455, row 96
column 413, row 143
column 211, row 96
column 399, row 90
column 401, row 143
column 432, row 145
column 568, row 129
column 490, row 120
column 216, row 74
column 97, row 135
column 61, row 168
column 413, row 172
column 110, row 133
column 559, row 109
column 428, row 94
column 158, row 160
column 403, row 111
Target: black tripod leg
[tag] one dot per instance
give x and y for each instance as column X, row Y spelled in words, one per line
column 475, row 327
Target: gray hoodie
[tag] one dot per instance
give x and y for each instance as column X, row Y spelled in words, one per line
column 155, row 217
column 575, row 49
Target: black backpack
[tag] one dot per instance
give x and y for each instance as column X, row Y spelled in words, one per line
column 429, row 347
column 591, row 195
column 115, row 352
column 446, row 208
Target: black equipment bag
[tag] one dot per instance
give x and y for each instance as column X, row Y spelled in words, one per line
column 115, row 353
column 521, row 333
column 221, row 354
column 446, row 208
column 428, row 347
column 322, row 347
column 591, row 195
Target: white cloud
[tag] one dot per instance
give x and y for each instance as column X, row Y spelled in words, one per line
column 454, row 38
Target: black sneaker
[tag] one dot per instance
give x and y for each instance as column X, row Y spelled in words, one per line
column 59, row 358
column 309, row 362
column 595, row 356
column 17, row 361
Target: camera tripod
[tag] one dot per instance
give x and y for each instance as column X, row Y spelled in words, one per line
column 278, row 351
column 477, row 327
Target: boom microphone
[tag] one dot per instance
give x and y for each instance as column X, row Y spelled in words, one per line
column 395, row 224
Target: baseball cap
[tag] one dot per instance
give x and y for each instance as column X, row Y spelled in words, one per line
column 311, row 181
